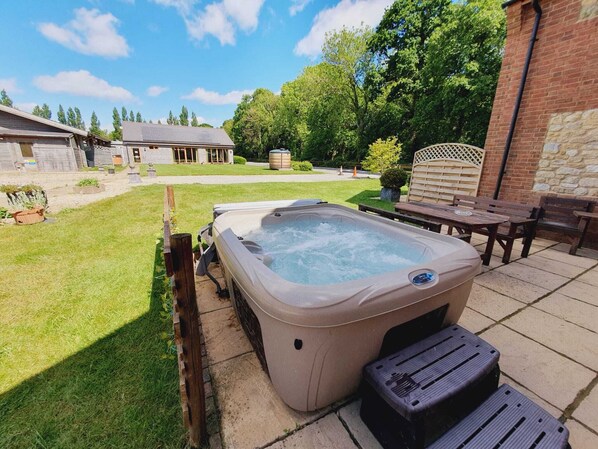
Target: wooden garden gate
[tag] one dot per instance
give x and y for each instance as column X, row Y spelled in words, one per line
column 443, row 170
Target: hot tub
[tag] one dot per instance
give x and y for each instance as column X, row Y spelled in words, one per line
column 322, row 290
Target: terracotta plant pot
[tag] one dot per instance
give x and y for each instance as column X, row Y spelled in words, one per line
column 29, row 216
column 89, row 189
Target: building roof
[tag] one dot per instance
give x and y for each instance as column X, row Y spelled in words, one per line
column 45, row 121
column 28, row 133
column 149, row 133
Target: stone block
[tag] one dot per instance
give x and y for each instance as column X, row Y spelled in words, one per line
column 568, row 171
column 551, row 147
column 572, row 310
column 492, row 304
column 545, row 174
column 588, row 182
column 543, row 163
column 474, row 321
column 567, row 185
column 580, row 291
column 223, row 335
column 541, row 187
column 592, row 168
column 579, row 436
column 510, row 286
column 571, row 153
column 571, row 179
column 533, row 275
column 580, row 191
column 326, row 433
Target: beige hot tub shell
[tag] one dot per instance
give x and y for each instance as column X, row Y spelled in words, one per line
column 341, row 326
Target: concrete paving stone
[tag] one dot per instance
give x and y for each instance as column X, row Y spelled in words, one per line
column 543, row 242
column 224, row 335
column 591, row 277
column 564, row 256
column 207, row 299
column 551, row 376
column 474, row 321
column 581, row 291
column 588, row 253
column 552, row 266
column 326, row 433
column 533, row 275
column 497, row 251
column 554, row 411
column 251, row 412
column 566, row 338
column 580, row 437
column 587, row 411
column 495, row 261
column 510, row 286
column 360, row 432
column 492, row 304
column 569, row 309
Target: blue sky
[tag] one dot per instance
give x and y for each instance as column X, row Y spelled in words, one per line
column 154, row 56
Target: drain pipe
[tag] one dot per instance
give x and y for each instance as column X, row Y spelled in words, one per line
column 528, row 58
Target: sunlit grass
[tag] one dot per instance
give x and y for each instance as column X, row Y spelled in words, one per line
column 217, row 169
column 81, row 361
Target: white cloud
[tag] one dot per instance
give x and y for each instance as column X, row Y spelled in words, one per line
column 9, row 85
column 297, row 6
column 154, row 91
column 219, row 19
column 84, row 84
column 347, row 13
column 90, row 33
column 210, row 97
column 27, row 107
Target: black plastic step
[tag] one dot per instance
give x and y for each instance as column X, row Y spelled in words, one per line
column 412, row 397
column 506, row 420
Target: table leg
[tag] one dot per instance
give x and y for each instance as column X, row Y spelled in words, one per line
column 492, row 231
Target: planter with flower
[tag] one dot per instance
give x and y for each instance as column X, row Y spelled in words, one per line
column 27, row 204
column 89, row 185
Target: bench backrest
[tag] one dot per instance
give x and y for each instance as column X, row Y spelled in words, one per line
column 560, row 210
column 501, row 207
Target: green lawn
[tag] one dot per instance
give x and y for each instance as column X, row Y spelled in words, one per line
column 81, row 353
column 215, row 169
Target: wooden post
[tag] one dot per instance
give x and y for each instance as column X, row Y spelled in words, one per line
column 186, row 306
column 170, row 193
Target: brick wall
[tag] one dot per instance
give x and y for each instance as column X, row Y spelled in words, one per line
column 563, row 78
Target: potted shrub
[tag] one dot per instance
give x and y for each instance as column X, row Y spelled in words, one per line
column 28, row 203
column 392, row 180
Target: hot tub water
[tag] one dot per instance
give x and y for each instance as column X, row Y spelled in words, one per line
column 314, row 251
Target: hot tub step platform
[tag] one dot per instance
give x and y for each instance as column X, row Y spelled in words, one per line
column 508, row 420
column 412, row 397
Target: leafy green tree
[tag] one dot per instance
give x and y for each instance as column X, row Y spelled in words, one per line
column 71, row 119
column 5, row 99
column 61, row 115
column 43, row 111
column 382, row 155
column 138, row 117
column 184, row 116
column 123, row 114
column 172, row 120
column 37, row 111
column 227, row 126
column 205, row 125
column 79, row 120
column 194, row 121
column 117, row 133
column 131, row 116
column 94, row 124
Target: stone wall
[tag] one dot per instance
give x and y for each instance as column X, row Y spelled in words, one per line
column 569, row 160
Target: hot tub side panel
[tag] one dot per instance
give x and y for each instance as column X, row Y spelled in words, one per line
column 312, row 367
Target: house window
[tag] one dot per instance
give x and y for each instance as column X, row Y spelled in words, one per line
column 26, row 149
column 184, row 155
column 153, row 148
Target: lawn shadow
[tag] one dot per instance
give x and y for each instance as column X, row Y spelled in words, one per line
column 119, row 392
column 371, row 198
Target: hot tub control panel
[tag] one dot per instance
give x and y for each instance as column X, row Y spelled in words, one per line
column 423, row 278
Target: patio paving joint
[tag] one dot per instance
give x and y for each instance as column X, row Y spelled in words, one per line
column 231, row 358
column 346, row 426
column 581, row 395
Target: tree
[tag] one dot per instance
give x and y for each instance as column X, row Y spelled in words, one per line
column 227, row 126
column 123, row 114
column 205, row 125
column 37, row 111
column 61, row 115
column 43, row 111
column 79, row 120
column 194, row 121
column 94, row 126
column 138, row 117
column 131, row 116
column 172, row 120
column 382, row 155
column 184, row 116
column 5, row 99
column 117, row 133
column 71, row 119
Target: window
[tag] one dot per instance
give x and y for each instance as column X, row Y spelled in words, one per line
column 26, row 149
column 153, row 147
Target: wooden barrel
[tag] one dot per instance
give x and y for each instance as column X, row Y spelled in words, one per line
column 117, row 159
column 280, row 160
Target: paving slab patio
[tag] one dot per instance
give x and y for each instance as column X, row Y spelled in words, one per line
column 541, row 312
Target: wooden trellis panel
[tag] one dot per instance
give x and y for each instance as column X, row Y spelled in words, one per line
column 444, row 170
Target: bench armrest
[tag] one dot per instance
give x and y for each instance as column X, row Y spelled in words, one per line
column 582, row 214
column 520, row 221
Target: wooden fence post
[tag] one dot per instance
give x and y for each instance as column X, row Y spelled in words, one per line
column 170, row 193
column 188, row 316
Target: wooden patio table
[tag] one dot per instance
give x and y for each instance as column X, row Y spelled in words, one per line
column 462, row 219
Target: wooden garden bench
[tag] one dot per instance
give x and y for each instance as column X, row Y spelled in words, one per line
column 569, row 216
column 403, row 218
column 521, row 225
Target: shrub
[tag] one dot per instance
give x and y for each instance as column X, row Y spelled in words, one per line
column 382, row 154
column 240, row 160
column 28, row 196
column 393, row 178
column 302, row 166
column 88, row 182
column 4, row 213
column 10, row 188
